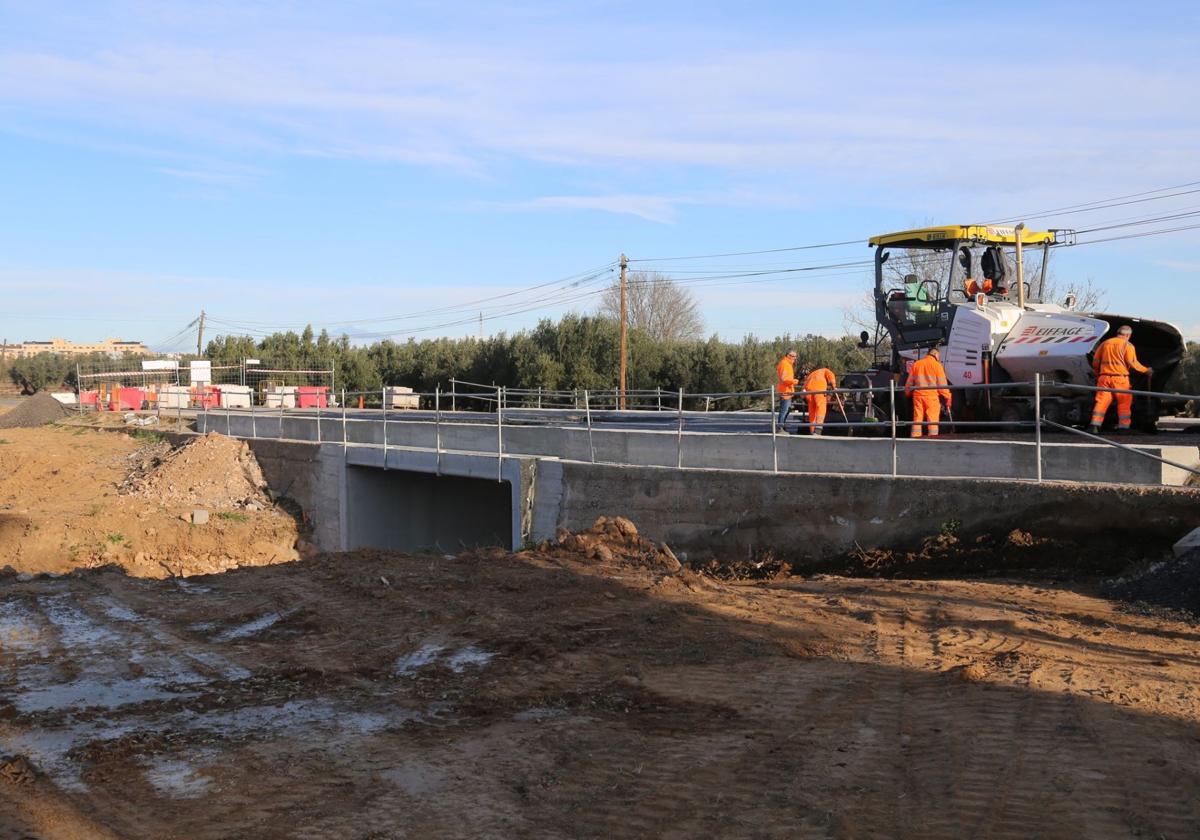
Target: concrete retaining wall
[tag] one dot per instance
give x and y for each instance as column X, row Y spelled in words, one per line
column 314, row 477
column 813, row 516
column 721, row 511
column 855, row 456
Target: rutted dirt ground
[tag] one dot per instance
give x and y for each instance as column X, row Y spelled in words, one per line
column 589, row 688
column 545, row 695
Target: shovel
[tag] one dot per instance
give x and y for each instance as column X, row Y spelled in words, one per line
column 842, row 408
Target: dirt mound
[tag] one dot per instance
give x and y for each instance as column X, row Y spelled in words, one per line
column 1173, row 584
column 213, row 471
column 613, row 540
column 38, row 410
column 763, row 566
column 1017, row 552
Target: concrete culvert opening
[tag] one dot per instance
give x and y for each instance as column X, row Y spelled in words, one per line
column 401, row 510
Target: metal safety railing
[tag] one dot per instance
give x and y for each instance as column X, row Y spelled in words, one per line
column 498, row 407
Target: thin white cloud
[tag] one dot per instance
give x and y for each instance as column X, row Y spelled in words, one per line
column 652, row 208
column 1178, row 265
column 459, row 102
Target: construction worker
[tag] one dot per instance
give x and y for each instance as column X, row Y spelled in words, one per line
column 785, row 384
column 818, row 381
column 1111, row 363
column 927, row 373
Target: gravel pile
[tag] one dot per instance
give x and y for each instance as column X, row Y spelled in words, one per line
column 38, row 410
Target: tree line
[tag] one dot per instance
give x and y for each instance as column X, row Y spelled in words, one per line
column 575, row 352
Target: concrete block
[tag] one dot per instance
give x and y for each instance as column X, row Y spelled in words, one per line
column 1190, row 542
column 199, row 517
column 400, row 397
column 173, row 396
column 235, row 396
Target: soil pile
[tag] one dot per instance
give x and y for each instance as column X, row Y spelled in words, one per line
column 1174, row 584
column 38, row 410
column 763, row 566
column 213, row 471
column 66, row 503
column 1017, row 552
column 613, row 540
column 141, row 463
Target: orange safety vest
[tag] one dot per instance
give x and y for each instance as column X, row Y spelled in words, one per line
column 819, row 379
column 927, row 372
column 785, row 374
column 1115, row 357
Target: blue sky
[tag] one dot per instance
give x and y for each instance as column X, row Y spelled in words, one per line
column 278, row 163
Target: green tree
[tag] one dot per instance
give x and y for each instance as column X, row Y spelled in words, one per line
column 43, row 370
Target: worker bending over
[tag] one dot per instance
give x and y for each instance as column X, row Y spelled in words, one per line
column 1112, row 362
column 817, row 381
column 928, row 374
column 785, row 384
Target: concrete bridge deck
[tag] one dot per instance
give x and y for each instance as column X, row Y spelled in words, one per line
column 727, row 442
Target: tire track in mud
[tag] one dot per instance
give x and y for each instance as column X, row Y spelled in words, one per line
column 604, row 710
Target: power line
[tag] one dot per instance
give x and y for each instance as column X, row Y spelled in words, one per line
column 751, row 253
column 1140, row 234
column 566, row 282
column 1105, row 203
column 1147, row 221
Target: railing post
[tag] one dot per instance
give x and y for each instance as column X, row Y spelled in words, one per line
column 437, row 424
column 679, row 435
column 774, row 442
column 453, row 396
column 707, row 404
column 281, row 396
column 319, row 416
column 253, row 421
column 228, row 425
column 658, row 389
column 539, row 396
column 587, row 407
column 344, row 438
column 499, row 434
column 892, row 398
column 383, row 396
column 1037, row 414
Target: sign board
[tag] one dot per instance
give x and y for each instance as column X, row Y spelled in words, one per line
column 253, row 362
column 160, row 364
column 201, row 370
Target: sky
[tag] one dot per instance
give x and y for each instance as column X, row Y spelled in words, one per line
column 397, row 169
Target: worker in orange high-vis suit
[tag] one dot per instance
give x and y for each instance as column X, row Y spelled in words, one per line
column 927, row 373
column 785, row 385
column 1112, row 362
column 818, row 381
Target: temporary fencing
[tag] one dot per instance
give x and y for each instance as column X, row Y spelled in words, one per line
column 193, row 383
column 682, row 415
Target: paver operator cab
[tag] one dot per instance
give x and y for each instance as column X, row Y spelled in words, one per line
column 967, row 289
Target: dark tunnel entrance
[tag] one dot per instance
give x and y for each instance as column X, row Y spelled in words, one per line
column 411, row 511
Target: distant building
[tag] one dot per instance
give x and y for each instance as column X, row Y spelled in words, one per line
column 114, row 347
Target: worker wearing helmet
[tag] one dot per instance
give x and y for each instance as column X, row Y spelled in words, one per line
column 927, row 384
column 815, row 383
column 1111, row 363
column 785, row 384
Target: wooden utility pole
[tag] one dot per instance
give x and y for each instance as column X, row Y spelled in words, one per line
column 200, row 335
column 624, row 334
